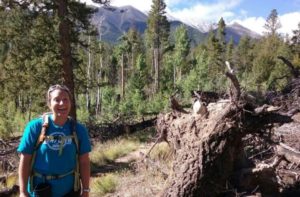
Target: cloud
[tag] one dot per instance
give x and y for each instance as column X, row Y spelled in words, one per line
column 206, row 12
column 256, row 24
column 143, row 5
column 288, row 22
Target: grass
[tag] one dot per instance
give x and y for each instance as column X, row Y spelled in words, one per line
column 103, row 185
column 129, row 182
column 161, row 151
column 104, row 153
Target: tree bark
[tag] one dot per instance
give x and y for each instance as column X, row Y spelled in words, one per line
column 65, row 47
column 156, row 69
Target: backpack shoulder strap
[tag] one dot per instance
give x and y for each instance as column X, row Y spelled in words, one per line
column 76, row 141
column 39, row 141
column 45, row 125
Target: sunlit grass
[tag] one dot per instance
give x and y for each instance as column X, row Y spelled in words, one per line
column 103, row 185
column 137, row 180
column 161, row 151
column 105, row 153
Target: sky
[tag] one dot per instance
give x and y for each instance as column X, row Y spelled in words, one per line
column 249, row 13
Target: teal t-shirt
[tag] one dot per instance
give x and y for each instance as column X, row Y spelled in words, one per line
column 48, row 160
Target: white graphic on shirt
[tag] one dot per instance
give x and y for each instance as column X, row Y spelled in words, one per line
column 58, row 139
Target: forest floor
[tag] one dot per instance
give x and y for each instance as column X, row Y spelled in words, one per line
column 134, row 173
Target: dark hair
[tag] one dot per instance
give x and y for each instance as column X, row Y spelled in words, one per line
column 57, row 87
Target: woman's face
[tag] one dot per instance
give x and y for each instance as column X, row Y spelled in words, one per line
column 60, row 103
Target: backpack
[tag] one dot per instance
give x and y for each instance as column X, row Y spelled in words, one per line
column 42, row 137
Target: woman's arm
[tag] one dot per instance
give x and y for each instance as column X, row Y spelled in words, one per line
column 84, row 165
column 24, row 172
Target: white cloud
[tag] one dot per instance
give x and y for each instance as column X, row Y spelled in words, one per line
column 254, row 23
column 206, row 12
column 289, row 22
column 143, row 5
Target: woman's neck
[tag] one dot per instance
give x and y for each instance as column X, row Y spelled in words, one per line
column 60, row 121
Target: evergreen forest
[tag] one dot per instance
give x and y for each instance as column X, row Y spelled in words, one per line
column 45, row 42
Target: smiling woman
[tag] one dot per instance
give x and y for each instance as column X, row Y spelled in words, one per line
column 54, row 151
column 59, row 102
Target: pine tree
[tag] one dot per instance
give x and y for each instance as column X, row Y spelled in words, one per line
column 221, row 34
column 229, row 50
column 181, row 51
column 216, row 61
column 272, row 23
column 157, row 36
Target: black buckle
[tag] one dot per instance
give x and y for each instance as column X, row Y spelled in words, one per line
column 55, row 176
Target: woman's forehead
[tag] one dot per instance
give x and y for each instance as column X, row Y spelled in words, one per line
column 58, row 93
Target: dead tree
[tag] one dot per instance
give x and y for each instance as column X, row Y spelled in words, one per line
column 209, row 151
column 205, row 149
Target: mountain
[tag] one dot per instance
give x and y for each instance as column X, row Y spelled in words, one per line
column 236, row 31
column 113, row 22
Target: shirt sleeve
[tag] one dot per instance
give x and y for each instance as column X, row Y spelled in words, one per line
column 30, row 135
column 84, row 141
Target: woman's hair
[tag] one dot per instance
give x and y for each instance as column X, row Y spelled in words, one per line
column 57, row 87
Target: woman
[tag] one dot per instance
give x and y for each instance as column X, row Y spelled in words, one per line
column 50, row 159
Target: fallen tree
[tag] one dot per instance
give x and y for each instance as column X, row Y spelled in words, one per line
column 234, row 150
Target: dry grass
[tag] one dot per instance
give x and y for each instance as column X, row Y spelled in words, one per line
column 103, row 185
column 142, row 178
column 103, row 154
column 146, row 183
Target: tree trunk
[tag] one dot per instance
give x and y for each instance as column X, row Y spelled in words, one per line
column 205, row 149
column 122, row 77
column 99, row 75
column 99, row 80
column 88, row 97
column 156, row 69
column 65, row 47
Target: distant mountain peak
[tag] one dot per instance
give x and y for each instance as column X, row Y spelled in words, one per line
column 242, row 31
column 112, row 22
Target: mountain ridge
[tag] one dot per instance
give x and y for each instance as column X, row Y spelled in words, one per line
column 112, row 22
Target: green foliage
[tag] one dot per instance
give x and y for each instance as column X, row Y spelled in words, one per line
column 12, row 121
column 110, row 103
column 181, row 51
column 198, row 77
column 158, row 103
column 267, row 69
